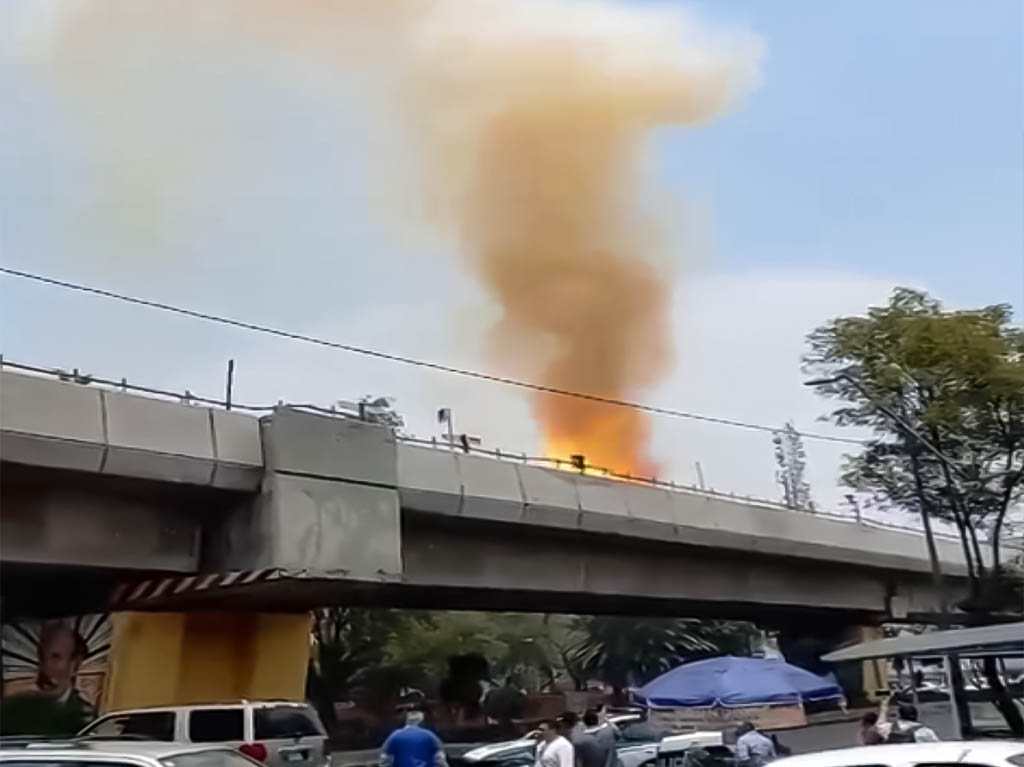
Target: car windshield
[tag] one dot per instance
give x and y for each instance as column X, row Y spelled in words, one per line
column 209, row 758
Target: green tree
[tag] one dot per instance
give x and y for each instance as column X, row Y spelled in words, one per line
column 916, row 373
column 346, row 642
column 426, row 640
column 565, row 640
column 623, row 650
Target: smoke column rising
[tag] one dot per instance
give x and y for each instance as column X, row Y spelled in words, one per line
column 526, row 122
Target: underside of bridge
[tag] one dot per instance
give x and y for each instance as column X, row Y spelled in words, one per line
column 70, row 538
column 492, row 566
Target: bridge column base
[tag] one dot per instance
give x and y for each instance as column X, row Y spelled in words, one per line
column 179, row 658
column 863, row 682
column 874, row 673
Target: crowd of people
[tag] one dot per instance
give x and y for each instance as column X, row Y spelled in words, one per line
column 570, row 742
column 876, row 728
column 590, row 741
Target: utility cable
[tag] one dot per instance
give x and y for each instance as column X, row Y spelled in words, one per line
column 376, row 354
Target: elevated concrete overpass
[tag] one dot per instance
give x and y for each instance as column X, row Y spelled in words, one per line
column 195, row 506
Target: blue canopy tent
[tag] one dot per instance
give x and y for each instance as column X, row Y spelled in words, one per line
column 729, row 681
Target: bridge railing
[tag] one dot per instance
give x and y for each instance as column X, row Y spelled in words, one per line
column 600, row 471
column 190, row 398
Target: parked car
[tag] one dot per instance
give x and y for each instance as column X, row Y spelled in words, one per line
column 639, row 746
column 950, row 753
column 23, row 752
column 672, row 749
column 508, row 753
column 523, row 751
column 277, row 733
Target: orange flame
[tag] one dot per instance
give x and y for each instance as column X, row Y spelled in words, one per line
column 608, row 437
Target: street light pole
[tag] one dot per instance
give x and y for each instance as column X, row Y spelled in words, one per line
column 906, row 427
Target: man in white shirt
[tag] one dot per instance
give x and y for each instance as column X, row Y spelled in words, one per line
column 752, row 748
column 554, row 750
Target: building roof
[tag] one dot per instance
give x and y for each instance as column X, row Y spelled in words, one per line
column 1001, row 639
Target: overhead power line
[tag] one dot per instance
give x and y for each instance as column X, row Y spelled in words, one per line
column 374, row 353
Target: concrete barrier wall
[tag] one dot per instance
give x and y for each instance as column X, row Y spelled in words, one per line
column 51, row 423
column 487, row 489
column 62, row 425
column 313, row 445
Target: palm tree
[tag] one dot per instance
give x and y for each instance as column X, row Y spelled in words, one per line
column 624, row 651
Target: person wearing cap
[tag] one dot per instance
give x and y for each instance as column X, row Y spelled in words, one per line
column 413, row 745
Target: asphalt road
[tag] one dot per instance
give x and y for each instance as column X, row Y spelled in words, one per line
column 938, row 716
column 814, row 737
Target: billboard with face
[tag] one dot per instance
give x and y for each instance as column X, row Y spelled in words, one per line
column 54, row 672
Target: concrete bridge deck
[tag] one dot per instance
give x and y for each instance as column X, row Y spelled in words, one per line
column 345, row 510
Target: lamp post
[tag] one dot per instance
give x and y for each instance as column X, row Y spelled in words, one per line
column 892, row 416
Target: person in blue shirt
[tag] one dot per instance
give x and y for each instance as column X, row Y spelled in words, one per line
column 413, row 745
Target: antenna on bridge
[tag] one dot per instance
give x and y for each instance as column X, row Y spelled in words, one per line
column 444, row 415
column 230, row 384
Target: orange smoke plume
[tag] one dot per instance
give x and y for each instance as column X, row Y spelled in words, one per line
column 526, row 121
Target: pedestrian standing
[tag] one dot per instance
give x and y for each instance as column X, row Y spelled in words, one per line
column 570, row 725
column 869, row 734
column 607, row 723
column 588, row 752
column 555, row 750
column 603, row 735
column 752, row 748
column 413, row 745
column 906, row 728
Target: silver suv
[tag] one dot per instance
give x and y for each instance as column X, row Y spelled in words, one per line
column 278, row 733
column 26, row 752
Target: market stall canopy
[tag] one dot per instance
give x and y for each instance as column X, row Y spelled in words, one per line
column 729, row 681
column 1004, row 639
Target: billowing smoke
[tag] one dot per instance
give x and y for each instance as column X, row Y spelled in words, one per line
column 525, row 121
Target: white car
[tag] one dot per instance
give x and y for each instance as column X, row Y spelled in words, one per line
column 950, row 753
column 23, row 752
column 667, row 751
column 277, row 733
column 522, row 751
column 671, row 750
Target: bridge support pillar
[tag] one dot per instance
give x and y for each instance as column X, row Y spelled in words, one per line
column 863, row 682
column 874, row 673
column 178, row 658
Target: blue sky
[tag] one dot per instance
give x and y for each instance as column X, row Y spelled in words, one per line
column 885, row 138
column 883, row 146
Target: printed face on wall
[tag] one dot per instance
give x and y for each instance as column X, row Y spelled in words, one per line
column 61, row 653
column 54, row 673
